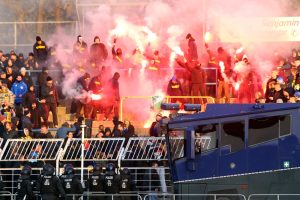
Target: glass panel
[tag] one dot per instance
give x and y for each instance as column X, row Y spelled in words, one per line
column 232, row 134
column 206, row 137
column 263, row 129
column 285, row 125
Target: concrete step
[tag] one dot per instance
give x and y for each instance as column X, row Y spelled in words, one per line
column 61, row 110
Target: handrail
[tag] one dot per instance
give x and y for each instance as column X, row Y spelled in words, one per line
column 164, row 97
column 266, row 195
column 194, row 195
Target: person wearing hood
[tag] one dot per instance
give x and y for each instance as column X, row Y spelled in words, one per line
column 192, row 48
column 98, row 53
column 29, row 98
column 40, row 51
column 19, row 89
column 174, row 89
column 24, row 188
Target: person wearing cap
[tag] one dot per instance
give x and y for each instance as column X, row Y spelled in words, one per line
column 40, row 51
column 98, row 53
column 49, row 101
column 26, row 78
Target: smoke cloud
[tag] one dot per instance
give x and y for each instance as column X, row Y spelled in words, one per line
column 163, row 26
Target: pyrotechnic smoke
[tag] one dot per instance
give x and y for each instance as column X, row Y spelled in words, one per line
column 164, row 25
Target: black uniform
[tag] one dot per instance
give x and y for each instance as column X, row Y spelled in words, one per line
column 24, row 188
column 126, row 186
column 95, row 184
column 50, row 187
column 71, row 185
column 111, row 182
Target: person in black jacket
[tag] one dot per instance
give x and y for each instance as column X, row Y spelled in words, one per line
column 155, row 126
column 112, row 96
column 42, row 79
column 29, row 98
column 98, row 53
column 9, row 132
column 40, row 51
column 126, row 184
column 49, row 100
column 70, row 182
column 111, row 180
column 24, row 188
column 80, row 49
column 95, row 182
column 25, row 77
column 49, row 185
column 36, row 115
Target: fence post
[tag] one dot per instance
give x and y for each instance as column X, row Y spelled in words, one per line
column 15, row 35
column 82, row 150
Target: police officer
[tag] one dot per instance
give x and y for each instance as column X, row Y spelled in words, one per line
column 24, row 188
column 111, row 180
column 49, row 185
column 70, row 182
column 126, row 184
column 95, row 182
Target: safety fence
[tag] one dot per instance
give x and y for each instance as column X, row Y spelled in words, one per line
column 19, row 35
column 159, row 100
column 96, row 149
column 105, row 149
column 274, row 196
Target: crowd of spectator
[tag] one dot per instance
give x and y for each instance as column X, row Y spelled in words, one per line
column 26, row 101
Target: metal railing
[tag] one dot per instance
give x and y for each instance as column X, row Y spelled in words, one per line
column 96, row 149
column 15, row 25
column 194, row 196
column 34, row 149
column 166, row 98
column 275, row 196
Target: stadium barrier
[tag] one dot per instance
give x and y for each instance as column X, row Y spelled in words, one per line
column 274, row 196
column 195, row 196
column 209, row 99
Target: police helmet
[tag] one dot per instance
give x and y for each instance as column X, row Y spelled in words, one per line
column 48, row 170
column 26, row 170
column 125, row 171
column 280, row 80
column 297, row 95
column 97, row 168
column 69, row 169
column 110, row 167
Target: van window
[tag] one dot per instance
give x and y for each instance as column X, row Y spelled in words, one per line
column 268, row 128
column 177, row 143
column 205, row 138
column 233, row 134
